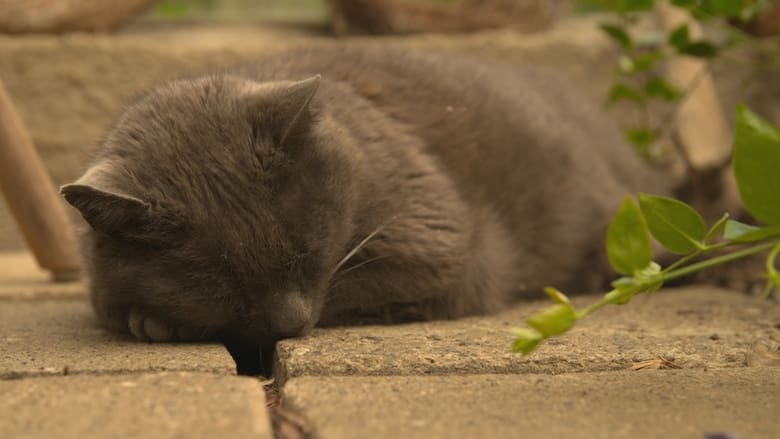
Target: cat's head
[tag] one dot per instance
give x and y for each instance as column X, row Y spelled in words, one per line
column 220, row 204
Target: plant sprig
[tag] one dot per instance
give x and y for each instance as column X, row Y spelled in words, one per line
column 680, row 229
column 638, row 82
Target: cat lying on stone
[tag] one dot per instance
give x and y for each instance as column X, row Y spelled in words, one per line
column 260, row 202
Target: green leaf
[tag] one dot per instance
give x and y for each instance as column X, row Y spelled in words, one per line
column 628, row 240
column 618, row 34
column 760, row 235
column 716, row 228
column 623, row 92
column 641, row 137
column 554, row 320
column 735, row 229
column 646, row 61
column 684, row 3
column 674, row 224
column 623, row 6
column 660, row 88
column 626, row 287
column 757, row 166
column 625, row 290
column 741, row 232
column 646, row 277
column 173, row 9
column 679, row 38
column 527, row 340
column 723, row 8
column 557, row 296
column 700, row 49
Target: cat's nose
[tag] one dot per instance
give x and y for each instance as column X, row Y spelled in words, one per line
column 292, row 315
column 288, row 328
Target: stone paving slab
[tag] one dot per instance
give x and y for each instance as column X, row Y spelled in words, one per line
column 57, row 337
column 694, row 327
column 22, row 279
column 161, row 405
column 642, row 404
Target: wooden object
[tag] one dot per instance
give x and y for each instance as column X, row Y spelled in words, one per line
column 18, row 16
column 32, row 198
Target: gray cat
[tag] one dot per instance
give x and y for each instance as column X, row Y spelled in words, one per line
column 255, row 204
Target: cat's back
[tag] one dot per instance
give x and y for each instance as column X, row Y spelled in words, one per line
column 491, row 125
column 521, row 141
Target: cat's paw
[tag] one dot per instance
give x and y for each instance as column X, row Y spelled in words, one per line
column 146, row 327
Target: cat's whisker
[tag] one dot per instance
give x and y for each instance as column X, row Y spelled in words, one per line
column 361, row 244
column 361, row 264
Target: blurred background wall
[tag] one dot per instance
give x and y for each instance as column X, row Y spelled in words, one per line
column 69, row 84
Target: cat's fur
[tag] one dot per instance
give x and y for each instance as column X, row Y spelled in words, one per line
column 221, row 205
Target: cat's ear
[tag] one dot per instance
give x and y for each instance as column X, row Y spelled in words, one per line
column 294, row 114
column 106, row 210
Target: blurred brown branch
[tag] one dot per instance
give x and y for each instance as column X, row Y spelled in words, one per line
column 17, row 16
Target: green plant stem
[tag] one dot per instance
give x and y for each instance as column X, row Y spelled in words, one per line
column 593, row 307
column 770, row 260
column 677, row 273
column 697, row 253
column 773, row 277
column 693, row 268
column 682, row 261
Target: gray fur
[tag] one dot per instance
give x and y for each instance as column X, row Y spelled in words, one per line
column 221, row 206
